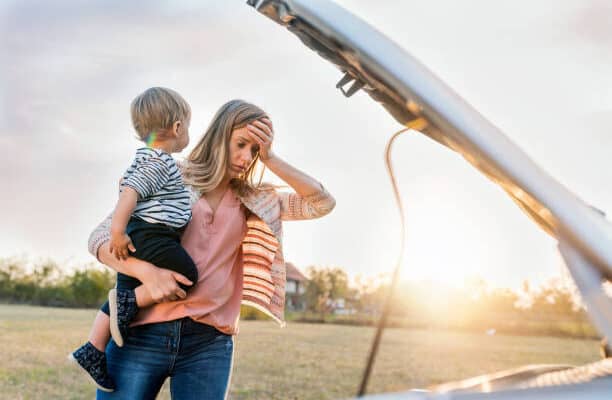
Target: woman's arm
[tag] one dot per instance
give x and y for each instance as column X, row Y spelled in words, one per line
column 160, row 283
column 311, row 200
column 262, row 132
column 303, row 184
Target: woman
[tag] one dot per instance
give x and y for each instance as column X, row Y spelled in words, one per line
column 235, row 240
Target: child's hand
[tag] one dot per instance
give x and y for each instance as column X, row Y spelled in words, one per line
column 119, row 245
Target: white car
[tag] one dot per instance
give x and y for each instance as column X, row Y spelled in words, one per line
column 419, row 100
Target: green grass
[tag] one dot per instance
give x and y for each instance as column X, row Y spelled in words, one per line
column 302, row 361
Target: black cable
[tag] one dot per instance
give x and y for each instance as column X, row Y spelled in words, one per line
column 388, row 300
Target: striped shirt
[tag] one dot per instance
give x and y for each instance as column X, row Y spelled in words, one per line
column 162, row 196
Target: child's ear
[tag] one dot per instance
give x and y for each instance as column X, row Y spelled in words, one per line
column 175, row 128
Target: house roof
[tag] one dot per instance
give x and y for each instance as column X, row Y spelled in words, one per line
column 293, row 273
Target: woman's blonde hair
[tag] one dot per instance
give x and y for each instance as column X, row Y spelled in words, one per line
column 208, row 162
column 157, row 109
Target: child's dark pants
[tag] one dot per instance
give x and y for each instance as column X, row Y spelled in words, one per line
column 161, row 246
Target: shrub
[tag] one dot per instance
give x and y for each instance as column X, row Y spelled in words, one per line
column 47, row 285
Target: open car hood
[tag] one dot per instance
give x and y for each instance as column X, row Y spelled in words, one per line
column 408, row 90
column 411, row 93
column 414, row 95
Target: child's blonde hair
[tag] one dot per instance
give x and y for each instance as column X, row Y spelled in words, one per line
column 156, row 110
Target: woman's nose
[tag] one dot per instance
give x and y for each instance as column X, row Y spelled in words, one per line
column 246, row 159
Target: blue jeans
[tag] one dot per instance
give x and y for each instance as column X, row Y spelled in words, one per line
column 196, row 357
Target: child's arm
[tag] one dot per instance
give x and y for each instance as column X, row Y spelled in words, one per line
column 120, row 242
column 146, row 179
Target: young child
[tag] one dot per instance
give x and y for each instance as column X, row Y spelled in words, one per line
column 152, row 210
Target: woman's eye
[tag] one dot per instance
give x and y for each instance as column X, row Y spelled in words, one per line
column 240, row 145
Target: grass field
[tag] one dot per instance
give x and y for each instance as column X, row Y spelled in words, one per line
column 302, row 361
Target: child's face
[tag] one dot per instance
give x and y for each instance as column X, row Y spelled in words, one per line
column 182, row 139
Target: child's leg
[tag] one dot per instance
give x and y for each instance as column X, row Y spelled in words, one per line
column 91, row 357
column 122, row 306
column 165, row 251
column 174, row 257
column 169, row 254
column 130, row 295
column 159, row 245
column 100, row 331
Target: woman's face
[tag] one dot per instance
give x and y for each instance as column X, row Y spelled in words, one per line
column 242, row 151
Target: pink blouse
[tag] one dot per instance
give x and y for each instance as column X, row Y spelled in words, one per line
column 213, row 240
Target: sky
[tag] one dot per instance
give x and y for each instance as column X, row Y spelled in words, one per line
column 539, row 70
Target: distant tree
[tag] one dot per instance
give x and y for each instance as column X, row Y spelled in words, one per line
column 338, row 283
column 89, row 287
column 324, row 286
column 370, row 293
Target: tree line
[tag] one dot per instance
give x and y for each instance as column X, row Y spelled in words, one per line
column 46, row 284
column 552, row 308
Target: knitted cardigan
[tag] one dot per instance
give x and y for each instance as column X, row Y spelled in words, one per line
column 264, row 272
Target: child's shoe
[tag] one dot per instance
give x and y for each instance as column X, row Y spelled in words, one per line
column 93, row 362
column 123, row 309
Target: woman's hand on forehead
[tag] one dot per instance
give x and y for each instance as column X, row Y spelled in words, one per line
column 261, row 131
